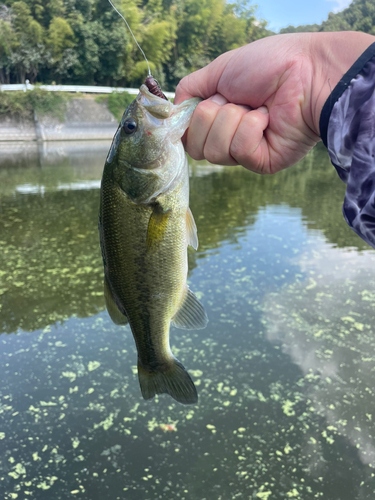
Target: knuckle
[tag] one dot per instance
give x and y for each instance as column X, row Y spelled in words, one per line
column 251, row 120
column 194, row 153
column 212, row 154
column 229, row 109
column 215, row 152
column 236, row 150
column 197, row 156
column 205, row 111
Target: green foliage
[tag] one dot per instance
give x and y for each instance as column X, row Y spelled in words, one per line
column 44, row 102
column 7, row 40
column 307, row 28
column 15, row 104
column 359, row 16
column 86, row 42
column 60, row 37
column 23, row 104
column 117, row 102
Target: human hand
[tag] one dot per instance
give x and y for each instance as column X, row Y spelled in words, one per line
column 263, row 101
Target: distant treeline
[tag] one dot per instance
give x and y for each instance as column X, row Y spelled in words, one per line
column 86, row 42
column 359, row 16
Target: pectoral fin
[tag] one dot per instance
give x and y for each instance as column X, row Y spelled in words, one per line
column 191, row 228
column 157, row 227
column 191, row 315
column 116, row 316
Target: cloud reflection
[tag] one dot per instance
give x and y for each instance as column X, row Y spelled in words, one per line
column 324, row 322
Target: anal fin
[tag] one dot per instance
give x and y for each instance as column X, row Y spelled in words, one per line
column 116, row 316
column 191, row 315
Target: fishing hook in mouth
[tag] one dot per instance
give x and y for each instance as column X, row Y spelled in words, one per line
column 154, row 87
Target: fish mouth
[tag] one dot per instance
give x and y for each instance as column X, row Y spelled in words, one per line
column 156, row 106
column 145, row 92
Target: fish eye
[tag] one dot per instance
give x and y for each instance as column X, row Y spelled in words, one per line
column 129, row 126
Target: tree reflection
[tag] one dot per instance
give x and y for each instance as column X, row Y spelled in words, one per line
column 50, row 263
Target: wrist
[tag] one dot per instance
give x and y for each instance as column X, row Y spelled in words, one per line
column 332, row 54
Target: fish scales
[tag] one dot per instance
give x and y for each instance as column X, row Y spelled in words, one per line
column 150, row 287
column 145, row 226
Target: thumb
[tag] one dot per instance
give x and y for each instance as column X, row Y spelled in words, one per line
column 202, row 83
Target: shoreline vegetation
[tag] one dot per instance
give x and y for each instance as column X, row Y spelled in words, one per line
column 23, row 105
column 41, row 115
column 86, row 42
column 19, row 104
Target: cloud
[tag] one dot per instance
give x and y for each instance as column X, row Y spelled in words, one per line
column 340, row 4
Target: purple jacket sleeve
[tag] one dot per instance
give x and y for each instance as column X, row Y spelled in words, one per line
column 347, row 127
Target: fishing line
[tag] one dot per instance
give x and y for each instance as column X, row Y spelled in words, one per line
column 132, row 34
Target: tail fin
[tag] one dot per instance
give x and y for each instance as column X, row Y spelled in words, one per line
column 174, row 381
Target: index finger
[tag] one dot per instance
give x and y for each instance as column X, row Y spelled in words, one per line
column 202, row 83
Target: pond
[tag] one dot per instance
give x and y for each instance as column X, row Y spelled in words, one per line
column 285, row 369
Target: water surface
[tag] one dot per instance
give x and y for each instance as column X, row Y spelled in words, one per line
column 285, row 369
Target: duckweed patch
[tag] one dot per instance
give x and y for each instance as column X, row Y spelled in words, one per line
column 285, row 367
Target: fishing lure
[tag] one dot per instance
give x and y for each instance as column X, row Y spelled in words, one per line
column 154, row 87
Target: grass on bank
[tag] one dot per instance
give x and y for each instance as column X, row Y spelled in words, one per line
column 24, row 104
column 117, row 102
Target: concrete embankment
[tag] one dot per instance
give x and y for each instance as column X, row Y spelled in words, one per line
column 85, row 119
column 80, row 155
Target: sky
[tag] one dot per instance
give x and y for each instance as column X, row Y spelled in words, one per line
column 282, row 13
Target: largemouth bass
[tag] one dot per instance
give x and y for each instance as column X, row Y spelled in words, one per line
column 145, row 227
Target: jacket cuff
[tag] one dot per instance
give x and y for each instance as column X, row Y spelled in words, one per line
column 340, row 89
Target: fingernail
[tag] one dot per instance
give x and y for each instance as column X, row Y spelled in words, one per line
column 263, row 109
column 219, row 99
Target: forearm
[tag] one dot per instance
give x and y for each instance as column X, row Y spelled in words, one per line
column 332, row 54
column 347, row 129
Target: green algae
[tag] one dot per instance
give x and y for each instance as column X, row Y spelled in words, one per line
column 286, row 398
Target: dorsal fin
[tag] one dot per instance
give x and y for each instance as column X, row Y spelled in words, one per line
column 191, row 315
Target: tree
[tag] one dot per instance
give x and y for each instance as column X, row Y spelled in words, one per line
column 359, row 16
column 307, row 28
column 85, row 41
column 6, row 41
column 27, row 54
column 60, row 37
